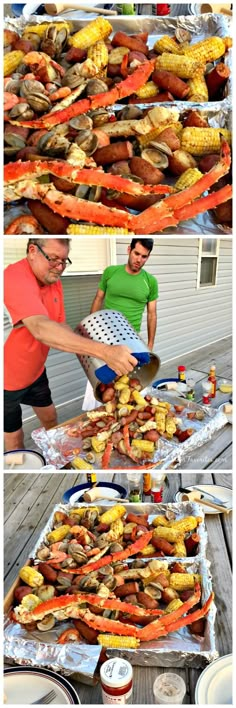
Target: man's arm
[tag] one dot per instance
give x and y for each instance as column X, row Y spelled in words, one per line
column 98, row 301
column 151, row 322
column 60, row 336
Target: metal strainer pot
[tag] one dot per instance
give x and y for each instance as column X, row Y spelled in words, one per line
column 111, row 327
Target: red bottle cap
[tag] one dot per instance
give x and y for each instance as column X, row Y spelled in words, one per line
column 181, row 368
column 162, row 8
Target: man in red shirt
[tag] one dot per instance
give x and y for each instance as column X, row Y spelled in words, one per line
column 34, row 301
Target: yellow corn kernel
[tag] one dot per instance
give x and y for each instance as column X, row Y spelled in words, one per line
column 113, row 640
column 188, row 178
column 149, row 550
column 30, row 601
column 145, row 445
column 40, row 29
column 117, row 527
column 161, row 521
column 124, row 409
column 170, row 534
column 31, row 577
column 189, row 523
column 184, row 581
column 203, row 141
column 11, row 61
column 147, row 90
column 207, row 50
column 113, row 514
column 179, row 548
column 167, row 44
column 58, row 534
column 86, row 229
column 80, row 511
column 98, row 445
column 123, row 379
column 183, row 66
column 198, row 90
column 173, row 605
column 170, row 427
column 94, row 32
column 153, row 134
column 228, row 42
column 79, row 464
column 125, row 395
column 98, row 53
column 140, row 400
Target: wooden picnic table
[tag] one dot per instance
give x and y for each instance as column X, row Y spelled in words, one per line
column 29, row 501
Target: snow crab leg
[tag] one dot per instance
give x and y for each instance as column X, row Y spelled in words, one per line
column 101, row 100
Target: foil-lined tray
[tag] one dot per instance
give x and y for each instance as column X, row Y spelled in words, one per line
column 57, row 447
column 176, row 650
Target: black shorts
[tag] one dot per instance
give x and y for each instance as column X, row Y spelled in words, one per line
column 37, row 394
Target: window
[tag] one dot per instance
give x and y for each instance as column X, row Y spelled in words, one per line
column 208, row 262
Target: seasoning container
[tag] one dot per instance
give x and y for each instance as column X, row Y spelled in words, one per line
column 157, row 486
column 190, row 394
column 147, row 480
column 182, row 373
column 91, row 477
column 116, row 681
column 134, row 487
column 169, row 688
column 212, row 379
column 206, row 398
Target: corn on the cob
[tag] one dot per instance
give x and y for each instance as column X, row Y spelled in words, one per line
column 184, row 581
column 173, row 605
column 161, row 521
column 79, row 464
column 123, row 379
column 123, row 409
column 11, row 61
column 119, row 386
column 145, row 445
column 168, row 44
column 153, row 134
column 147, row 90
column 228, row 42
column 117, row 527
column 172, row 535
column 40, row 29
column 140, row 400
column 98, row 53
column 189, row 523
column 207, row 50
column 113, row 514
column 113, row 640
column 183, row 66
column 180, row 548
column 149, row 550
column 29, row 602
column 77, row 511
column 198, row 88
column 91, row 34
column 188, row 178
column 201, row 141
column 124, row 394
column 86, row 229
column 31, row 577
column 58, row 534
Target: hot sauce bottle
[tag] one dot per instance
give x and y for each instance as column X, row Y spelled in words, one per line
column 212, row 379
column 116, row 681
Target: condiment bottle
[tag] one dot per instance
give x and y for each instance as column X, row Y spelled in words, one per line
column 134, row 490
column 91, row 477
column 116, row 681
column 146, row 485
column 182, row 373
column 157, row 486
column 212, row 379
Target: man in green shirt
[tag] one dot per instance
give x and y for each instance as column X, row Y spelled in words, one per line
column 129, row 289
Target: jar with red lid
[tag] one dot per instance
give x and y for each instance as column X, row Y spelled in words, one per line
column 182, row 373
column 116, row 681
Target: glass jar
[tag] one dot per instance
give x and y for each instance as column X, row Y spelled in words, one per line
column 157, row 487
column 116, row 681
column 134, row 487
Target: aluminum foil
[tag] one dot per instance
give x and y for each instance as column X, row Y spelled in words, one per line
column 57, row 446
column 178, row 649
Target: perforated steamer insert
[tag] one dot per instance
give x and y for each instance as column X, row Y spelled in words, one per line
column 111, row 327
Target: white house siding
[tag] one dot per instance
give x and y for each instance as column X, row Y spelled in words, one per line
column 188, row 317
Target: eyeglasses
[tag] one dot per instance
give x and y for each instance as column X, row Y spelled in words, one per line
column 55, row 261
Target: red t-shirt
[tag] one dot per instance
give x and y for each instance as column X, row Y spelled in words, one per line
column 25, row 356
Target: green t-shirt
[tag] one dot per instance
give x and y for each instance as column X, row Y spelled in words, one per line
column 128, row 294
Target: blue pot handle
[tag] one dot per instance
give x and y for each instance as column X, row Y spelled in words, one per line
column 106, row 375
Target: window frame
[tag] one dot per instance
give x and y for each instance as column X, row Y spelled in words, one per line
column 202, row 254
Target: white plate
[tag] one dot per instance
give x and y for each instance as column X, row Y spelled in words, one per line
column 78, row 496
column 32, row 460
column 214, row 686
column 222, row 493
column 229, row 416
column 23, row 686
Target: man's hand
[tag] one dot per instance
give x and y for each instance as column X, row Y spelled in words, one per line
column 120, row 359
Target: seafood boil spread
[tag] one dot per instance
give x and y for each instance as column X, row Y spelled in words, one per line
column 79, row 163
column 80, row 573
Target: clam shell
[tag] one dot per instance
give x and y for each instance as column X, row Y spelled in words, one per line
column 21, row 110
column 99, row 117
column 130, row 112
column 28, row 86
column 87, row 141
column 95, row 86
column 81, row 123
column 53, row 144
column 38, row 101
column 161, row 146
column 155, row 157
